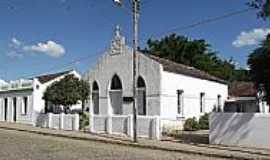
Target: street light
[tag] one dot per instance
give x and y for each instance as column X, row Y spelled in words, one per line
column 118, row 2
column 135, row 11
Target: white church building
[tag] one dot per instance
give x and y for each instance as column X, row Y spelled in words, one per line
column 166, row 91
column 21, row 100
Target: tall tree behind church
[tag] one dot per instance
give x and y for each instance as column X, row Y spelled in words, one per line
column 196, row 53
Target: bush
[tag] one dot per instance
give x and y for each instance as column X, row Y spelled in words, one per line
column 191, row 124
column 204, row 121
column 84, row 121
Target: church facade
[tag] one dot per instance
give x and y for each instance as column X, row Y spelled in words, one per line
column 173, row 92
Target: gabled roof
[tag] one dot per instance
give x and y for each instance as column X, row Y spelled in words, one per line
column 242, row 89
column 46, row 78
column 178, row 68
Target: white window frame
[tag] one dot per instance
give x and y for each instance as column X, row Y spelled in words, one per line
column 202, row 102
column 180, row 102
column 25, row 104
column 219, row 102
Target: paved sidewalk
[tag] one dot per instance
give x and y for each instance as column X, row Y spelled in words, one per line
column 198, row 149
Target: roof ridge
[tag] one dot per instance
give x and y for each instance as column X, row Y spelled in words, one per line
column 48, row 77
column 41, row 75
column 196, row 72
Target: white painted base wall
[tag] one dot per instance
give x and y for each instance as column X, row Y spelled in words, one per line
column 147, row 126
column 168, row 126
column 58, row 121
column 240, row 129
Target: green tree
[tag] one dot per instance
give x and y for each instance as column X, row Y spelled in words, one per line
column 241, row 75
column 67, row 92
column 84, row 91
column 259, row 62
column 263, row 6
column 196, row 53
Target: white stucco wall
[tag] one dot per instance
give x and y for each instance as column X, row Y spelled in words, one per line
column 36, row 104
column 59, row 121
column 161, row 86
column 21, row 118
column 39, row 103
column 121, row 65
column 192, row 88
column 241, row 129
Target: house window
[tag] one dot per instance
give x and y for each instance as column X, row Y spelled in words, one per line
column 6, row 108
column 180, row 101
column 202, row 102
column 25, row 105
column 14, row 109
column 219, row 102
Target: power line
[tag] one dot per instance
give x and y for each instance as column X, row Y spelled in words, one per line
column 7, row 4
column 203, row 22
column 58, row 67
column 199, row 23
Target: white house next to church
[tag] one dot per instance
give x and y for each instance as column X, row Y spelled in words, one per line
column 21, row 100
column 166, row 91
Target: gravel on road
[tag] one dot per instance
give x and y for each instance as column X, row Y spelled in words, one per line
column 16, row 145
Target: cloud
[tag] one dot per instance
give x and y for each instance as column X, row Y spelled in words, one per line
column 14, row 54
column 15, row 41
column 251, row 38
column 50, row 48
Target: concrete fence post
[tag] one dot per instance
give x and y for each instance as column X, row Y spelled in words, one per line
column 156, row 128
column 49, row 120
column 109, row 124
column 61, row 118
column 76, row 122
column 130, row 125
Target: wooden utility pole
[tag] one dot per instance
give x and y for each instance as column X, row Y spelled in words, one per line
column 135, row 4
column 135, row 12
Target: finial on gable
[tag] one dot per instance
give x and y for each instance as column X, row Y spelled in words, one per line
column 118, row 42
column 117, row 31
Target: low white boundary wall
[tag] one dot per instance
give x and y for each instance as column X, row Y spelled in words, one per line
column 147, row 126
column 241, row 129
column 58, row 121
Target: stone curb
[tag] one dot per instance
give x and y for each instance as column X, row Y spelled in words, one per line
column 136, row 145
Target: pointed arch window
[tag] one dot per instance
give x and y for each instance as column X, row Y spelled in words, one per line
column 116, row 83
column 141, row 96
column 95, row 97
column 116, row 95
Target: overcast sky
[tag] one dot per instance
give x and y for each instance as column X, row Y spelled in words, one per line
column 38, row 36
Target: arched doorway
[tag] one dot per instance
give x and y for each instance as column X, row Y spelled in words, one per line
column 116, row 95
column 95, row 97
column 141, row 96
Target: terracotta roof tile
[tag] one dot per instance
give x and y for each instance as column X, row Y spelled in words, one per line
column 242, row 89
column 46, row 78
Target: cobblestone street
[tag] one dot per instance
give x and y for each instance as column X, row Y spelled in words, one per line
column 28, row 146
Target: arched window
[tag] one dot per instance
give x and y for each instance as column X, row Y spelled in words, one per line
column 141, row 96
column 116, row 95
column 95, row 97
column 116, row 83
column 95, row 86
column 140, row 83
